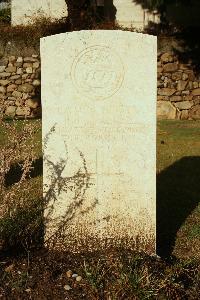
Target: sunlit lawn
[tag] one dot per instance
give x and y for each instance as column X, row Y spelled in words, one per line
column 178, row 184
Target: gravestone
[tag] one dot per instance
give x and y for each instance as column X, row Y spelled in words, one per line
column 24, row 12
column 130, row 14
column 99, row 139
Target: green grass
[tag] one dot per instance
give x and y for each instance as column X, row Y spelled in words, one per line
column 178, row 185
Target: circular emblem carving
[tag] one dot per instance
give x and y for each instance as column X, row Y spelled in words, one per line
column 97, row 72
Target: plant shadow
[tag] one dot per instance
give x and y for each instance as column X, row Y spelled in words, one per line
column 178, row 194
column 15, row 172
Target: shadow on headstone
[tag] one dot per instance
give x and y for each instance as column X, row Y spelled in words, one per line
column 178, row 194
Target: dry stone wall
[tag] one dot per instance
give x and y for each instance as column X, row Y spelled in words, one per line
column 20, row 86
column 178, row 89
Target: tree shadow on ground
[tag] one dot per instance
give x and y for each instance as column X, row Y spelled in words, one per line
column 15, row 172
column 178, row 194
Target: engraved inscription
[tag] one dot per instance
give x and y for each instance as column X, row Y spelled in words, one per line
column 97, row 72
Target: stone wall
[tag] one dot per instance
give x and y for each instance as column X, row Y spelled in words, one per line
column 178, row 89
column 178, row 86
column 20, row 86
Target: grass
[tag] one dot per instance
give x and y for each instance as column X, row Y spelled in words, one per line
column 119, row 274
column 178, row 189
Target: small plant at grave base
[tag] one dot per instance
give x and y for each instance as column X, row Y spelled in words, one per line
column 20, row 212
column 5, row 15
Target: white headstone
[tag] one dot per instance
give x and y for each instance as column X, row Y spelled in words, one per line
column 99, row 138
column 130, row 14
column 24, row 12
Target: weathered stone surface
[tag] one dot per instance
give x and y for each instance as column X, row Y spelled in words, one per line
column 2, row 96
column 32, row 103
column 2, row 89
column 15, row 77
column 165, row 110
column 10, row 111
column 17, row 94
column 184, row 104
column 102, row 109
column 184, row 115
column 170, row 67
column 11, row 88
column 18, row 81
column 22, row 111
column 4, row 82
column 20, row 59
column 183, row 66
column 2, row 69
column 176, row 98
column 185, row 93
column 27, row 65
column 196, row 100
column 12, row 58
column 185, row 76
column 4, row 74
column 4, row 61
column 181, row 85
column 166, row 92
column 36, row 65
column 159, row 70
column 162, row 98
column 196, row 92
column 194, row 112
column 177, row 76
column 36, row 82
column 187, row 98
column 26, row 88
column 29, row 70
column 10, row 69
column 190, row 85
column 27, row 12
column 166, row 57
column 195, row 84
column 19, row 71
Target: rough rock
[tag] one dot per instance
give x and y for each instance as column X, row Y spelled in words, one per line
column 10, row 69
column 194, row 112
column 170, row 67
column 4, row 74
column 166, row 57
column 2, row 69
column 10, row 111
column 11, row 88
column 184, row 105
column 181, row 85
column 17, row 94
column 22, row 111
column 2, row 89
column 165, row 110
column 26, row 88
column 184, row 115
column 176, row 98
column 32, row 103
column 4, row 82
column 166, row 92
column 196, row 92
column 36, row 82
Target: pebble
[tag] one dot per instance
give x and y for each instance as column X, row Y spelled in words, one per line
column 9, row 268
column 28, row 290
column 74, row 275
column 69, row 273
column 67, row 287
column 78, row 278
